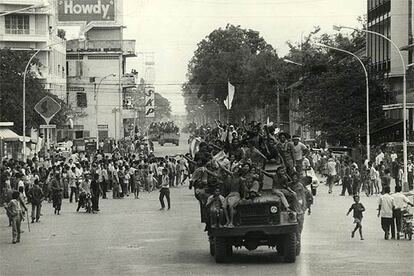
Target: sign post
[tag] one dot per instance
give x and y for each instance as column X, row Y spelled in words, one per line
column 47, row 107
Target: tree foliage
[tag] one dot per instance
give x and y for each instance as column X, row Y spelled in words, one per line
column 237, row 55
column 12, row 65
column 333, row 91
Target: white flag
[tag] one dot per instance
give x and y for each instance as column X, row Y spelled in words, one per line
column 229, row 100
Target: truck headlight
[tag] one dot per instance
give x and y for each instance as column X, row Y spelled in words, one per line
column 273, row 209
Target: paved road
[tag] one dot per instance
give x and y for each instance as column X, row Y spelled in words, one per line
column 130, row 236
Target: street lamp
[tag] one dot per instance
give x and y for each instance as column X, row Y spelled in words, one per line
column 292, row 62
column 24, row 95
column 96, row 107
column 24, row 91
column 367, row 89
column 338, row 28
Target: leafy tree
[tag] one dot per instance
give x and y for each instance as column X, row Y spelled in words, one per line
column 237, row 55
column 333, row 91
column 12, row 65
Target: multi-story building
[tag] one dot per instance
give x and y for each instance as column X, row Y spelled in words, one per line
column 98, row 86
column 29, row 25
column 394, row 19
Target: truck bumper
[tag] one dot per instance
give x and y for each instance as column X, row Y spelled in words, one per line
column 240, row 231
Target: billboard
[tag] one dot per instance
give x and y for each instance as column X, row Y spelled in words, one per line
column 149, row 93
column 86, row 10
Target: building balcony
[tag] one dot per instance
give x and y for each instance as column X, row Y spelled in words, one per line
column 24, row 37
column 21, row 2
column 127, row 47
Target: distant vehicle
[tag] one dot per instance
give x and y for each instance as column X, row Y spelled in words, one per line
column 261, row 221
column 173, row 138
column 63, row 147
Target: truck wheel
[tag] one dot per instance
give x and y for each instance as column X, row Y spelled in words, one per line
column 220, row 249
column 314, row 191
column 298, row 243
column 290, row 248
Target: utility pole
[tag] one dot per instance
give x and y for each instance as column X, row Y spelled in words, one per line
column 278, row 107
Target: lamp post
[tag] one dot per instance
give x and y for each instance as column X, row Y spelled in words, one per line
column 96, row 107
column 366, row 86
column 338, row 28
column 24, row 95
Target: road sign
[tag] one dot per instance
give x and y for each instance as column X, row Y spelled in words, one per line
column 47, row 126
column 47, row 108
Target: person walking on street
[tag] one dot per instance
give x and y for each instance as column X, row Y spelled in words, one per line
column 358, row 208
column 386, row 205
column 57, row 193
column 36, row 198
column 165, row 189
column 72, row 185
column 17, row 214
column 95, row 193
column 331, row 168
column 400, row 202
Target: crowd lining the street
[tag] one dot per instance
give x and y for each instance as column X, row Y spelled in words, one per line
column 226, row 168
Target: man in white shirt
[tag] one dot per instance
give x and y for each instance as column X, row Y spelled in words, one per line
column 400, row 203
column 299, row 151
column 379, row 158
column 386, row 205
column 331, row 168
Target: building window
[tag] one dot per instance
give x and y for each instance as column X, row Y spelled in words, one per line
column 81, row 99
column 17, row 24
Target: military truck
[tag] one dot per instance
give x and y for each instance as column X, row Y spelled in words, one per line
column 171, row 137
column 262, row 221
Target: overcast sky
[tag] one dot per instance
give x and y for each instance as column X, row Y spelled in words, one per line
column 171, row 29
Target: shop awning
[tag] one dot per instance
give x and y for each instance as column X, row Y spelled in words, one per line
column 8, row 135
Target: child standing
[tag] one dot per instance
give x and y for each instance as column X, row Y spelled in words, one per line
column 358, row 209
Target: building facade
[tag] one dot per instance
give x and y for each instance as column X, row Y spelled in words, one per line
column 394, row 19
column 31, row 28
column 98, row 86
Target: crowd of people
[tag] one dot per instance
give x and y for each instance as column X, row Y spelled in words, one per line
column 225, row 166
column 249, row 146
column 163, row 127
column 229, row 168
column 81, row 177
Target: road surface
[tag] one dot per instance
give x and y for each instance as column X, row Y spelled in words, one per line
column 131, row 237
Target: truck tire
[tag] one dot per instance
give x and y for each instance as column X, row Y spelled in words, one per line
column 314, row 191
column 289, row 248
column 220, row 249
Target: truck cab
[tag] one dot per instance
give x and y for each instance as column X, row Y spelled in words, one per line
column 261, row 221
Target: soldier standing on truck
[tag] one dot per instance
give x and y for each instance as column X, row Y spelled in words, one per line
column 235, row 190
